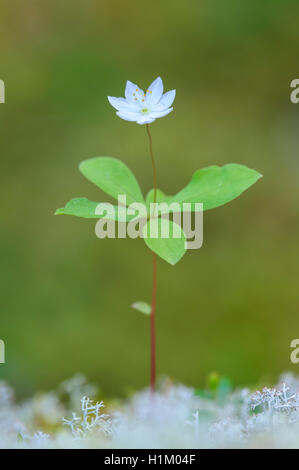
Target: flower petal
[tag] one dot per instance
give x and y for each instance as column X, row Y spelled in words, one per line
column 128, row 116
column 166, row 101
column 134, row 94
column 121, row 104
column 130, row 89
column 154, row 92
column 147, row 119
column 159, row 114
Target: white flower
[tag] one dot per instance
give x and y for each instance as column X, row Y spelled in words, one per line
column 141, row 107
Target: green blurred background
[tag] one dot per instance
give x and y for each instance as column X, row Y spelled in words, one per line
column 231, row 306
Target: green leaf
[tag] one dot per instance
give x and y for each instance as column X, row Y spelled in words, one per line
column 82, row 207
column 170, row 248
column 213, row 381
column 224, row 389
column 113, row 177
column 214, row 186
column 142, row 307
column 219, row 388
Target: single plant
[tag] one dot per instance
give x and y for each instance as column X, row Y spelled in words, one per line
column 212, row 187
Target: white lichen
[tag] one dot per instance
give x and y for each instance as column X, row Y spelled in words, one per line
column 175, row 417
column 90, row 421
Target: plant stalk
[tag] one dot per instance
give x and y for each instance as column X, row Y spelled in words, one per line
column 154, row 281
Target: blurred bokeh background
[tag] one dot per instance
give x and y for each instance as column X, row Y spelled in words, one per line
column 231, row 306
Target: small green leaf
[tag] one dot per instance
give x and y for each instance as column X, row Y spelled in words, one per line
column 113, row 177
column 224, row 389
column 219, row 386
column 142, row 307
column 82, row 207
column 213, row 381
column 170, row 248
column 214, row 186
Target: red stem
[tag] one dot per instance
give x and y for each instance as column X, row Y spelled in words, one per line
column 152, row 320
column 154, row 286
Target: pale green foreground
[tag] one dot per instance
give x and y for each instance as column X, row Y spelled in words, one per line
column 177, row 417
